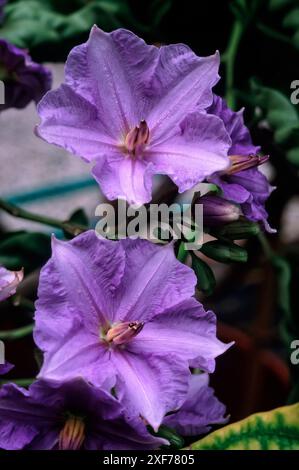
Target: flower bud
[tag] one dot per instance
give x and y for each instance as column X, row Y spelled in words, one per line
column 239, row 230
column 217, row 211
column 224, row 252
column 9, row 281
column 205, row 277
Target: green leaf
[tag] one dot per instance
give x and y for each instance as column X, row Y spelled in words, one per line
column 293, row 156
column 176, row 441
column 78, row 217
column 281, row 115
column 24, row 249
column 291, row 20
column 35, row 23
column 276, row 429
column 278, row 4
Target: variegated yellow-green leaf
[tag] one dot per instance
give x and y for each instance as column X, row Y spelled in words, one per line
column 273, row 430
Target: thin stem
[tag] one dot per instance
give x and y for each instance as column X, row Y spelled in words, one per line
column 265, row 245
column 22, row 302
column 17, row 333
column 15, row 211
column 21, row 382
column 230, row 58
column 272, row 33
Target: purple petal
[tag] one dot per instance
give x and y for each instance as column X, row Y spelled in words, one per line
column 77, row 285
column 185, row 330
column 5, row 368
column 70, row 121
column 230, row 191
column 150, row 385
column 153, row 281
column 259, row 191
column 9, row 281
column 24, row 79
column 79, row 354
column 191, row 92
column 110, row 84
column 33, row 419
column 18, row 423
column 198, row 152
column 121, row 178
column 234, row 124
column 200, row 410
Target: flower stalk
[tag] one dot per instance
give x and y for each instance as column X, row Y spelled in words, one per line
column 15, row 211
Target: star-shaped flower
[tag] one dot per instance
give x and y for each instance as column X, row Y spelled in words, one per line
column 123, row 312
column 136, row 110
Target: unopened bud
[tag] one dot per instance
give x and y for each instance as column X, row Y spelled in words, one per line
column 224, row 252
column 206, row 281
column 239, row 230
column 217, row 210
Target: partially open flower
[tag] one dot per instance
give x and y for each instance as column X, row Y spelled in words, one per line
column 242, row 183
column 24, row 80
column 217, row 210
column 9, row 281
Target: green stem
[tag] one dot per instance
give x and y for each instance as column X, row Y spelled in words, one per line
column 21, row 382
column 182, row 253
column 15, row 211
column 17, row 333
column 230, row 58
column 22, row 302
column 265, row 245
column 273, row 34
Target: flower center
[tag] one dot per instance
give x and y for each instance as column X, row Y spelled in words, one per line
column 244, row 162
column 122, row 333
column 137, row 138
column 73, row 434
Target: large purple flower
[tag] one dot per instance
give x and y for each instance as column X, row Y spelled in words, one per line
column 200, row 410
column 9, row 280
column 24, row 80
column 68, row 416
column 136, row 110
column 123, row 312
column 243, row 183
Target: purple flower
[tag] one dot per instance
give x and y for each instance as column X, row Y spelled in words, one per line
column 9, row 280
column 217, row 210
column 123, row 312
column 68, row 416
column 137, row 110
column 5, row 368
column 24, row 80
column 200, row 410
column 243, row 183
